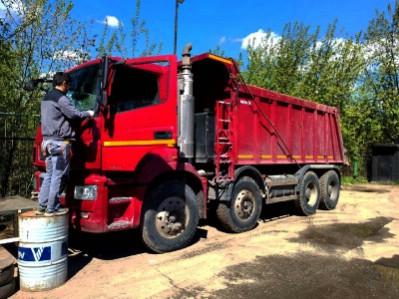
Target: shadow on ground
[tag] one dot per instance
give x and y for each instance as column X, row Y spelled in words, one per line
column 367, row 189
column 304, row 276
column 336, row 236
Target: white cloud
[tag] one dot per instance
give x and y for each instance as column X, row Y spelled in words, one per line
column 111, row 21
column 222, row 40
column 259, row 38
column 68, row 55
column 13, row 8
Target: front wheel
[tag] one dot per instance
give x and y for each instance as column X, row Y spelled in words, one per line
column 170, row 217
column 241, row 213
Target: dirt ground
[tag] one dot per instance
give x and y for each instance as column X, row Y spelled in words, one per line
column 350, row 252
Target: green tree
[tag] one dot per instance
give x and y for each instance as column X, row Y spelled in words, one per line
column 262, row 62
column 38, row 37
column 112, row 41
column 294, row 51
column 381, row 75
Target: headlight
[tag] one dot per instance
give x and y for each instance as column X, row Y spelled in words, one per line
column 88, row 192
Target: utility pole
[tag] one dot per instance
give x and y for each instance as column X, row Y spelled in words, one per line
column 176, row 21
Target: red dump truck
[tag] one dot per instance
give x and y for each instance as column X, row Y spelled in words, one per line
column 172, row 140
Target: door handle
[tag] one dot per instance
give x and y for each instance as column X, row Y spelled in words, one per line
column 162, row 135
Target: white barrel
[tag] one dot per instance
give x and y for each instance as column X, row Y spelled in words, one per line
column 42, row 251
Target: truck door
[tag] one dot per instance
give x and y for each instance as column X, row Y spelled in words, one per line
column 141, row 111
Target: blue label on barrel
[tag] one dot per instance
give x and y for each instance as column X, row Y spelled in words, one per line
column 34, row 254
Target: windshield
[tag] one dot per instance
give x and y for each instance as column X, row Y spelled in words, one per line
column 85, row 87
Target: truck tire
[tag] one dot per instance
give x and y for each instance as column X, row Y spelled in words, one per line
column 170, row 217
column 242, row 212
column 329, row 190
column 7, row 290
column 309, row 194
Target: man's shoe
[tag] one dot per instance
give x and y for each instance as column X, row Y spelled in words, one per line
column 60, row 211
column 40, row 210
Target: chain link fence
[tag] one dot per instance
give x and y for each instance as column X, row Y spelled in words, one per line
column 17, row 136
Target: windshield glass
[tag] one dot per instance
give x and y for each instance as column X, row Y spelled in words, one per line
column 85, row 87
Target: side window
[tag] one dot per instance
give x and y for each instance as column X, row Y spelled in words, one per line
column 134, row 88
column 85, row 87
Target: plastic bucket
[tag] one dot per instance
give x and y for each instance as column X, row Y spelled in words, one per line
column 42, row 251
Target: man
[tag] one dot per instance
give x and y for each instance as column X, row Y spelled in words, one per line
column 57, row 113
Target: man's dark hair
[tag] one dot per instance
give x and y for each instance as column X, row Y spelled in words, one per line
column 60, row 77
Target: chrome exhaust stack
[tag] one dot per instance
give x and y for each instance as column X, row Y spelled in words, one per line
column 186, row 106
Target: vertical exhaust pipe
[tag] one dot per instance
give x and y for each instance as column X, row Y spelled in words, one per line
column 186, row 106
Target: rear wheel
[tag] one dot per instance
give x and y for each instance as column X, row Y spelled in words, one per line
column 309, row 194
column 241, row 213
column 170, row 217
column 329, row 190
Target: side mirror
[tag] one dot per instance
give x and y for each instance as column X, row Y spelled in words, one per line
column 31, row 85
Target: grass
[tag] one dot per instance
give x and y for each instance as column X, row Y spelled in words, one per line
column 349, row 180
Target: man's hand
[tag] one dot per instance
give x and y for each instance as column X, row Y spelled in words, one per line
column 91, row 113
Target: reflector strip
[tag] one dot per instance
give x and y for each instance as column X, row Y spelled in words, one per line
column 245, row 156
column 282, row 157
column 220, row 59
column 168, row 142
column 265, row 156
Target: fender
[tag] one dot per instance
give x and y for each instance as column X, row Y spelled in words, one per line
column 161, row 161
column 250, row 171
column 162, row 164
column 301, row 172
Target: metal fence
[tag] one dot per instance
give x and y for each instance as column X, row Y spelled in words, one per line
column 17, row 136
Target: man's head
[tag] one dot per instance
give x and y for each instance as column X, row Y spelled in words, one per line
column 62, row 82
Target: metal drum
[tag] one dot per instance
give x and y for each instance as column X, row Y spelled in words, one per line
column 42, row 251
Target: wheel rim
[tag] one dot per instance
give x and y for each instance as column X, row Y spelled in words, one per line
column 332, row 190
column 244, row 204
column 172, row 217
column 311, row 194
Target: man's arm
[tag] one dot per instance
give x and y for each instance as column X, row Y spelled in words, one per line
column 71, row 112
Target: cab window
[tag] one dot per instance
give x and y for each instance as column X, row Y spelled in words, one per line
column 134, row 88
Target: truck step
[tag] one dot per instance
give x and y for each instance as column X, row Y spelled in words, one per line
column 119, row 200
column 119, row 225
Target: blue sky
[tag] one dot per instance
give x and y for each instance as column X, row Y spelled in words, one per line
column 208, row 23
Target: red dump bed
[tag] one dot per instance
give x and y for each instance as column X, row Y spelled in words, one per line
column 272, row 128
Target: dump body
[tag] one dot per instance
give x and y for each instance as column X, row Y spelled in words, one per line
column 273, row 128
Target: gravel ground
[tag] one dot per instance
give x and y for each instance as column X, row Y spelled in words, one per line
column 350, row 252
